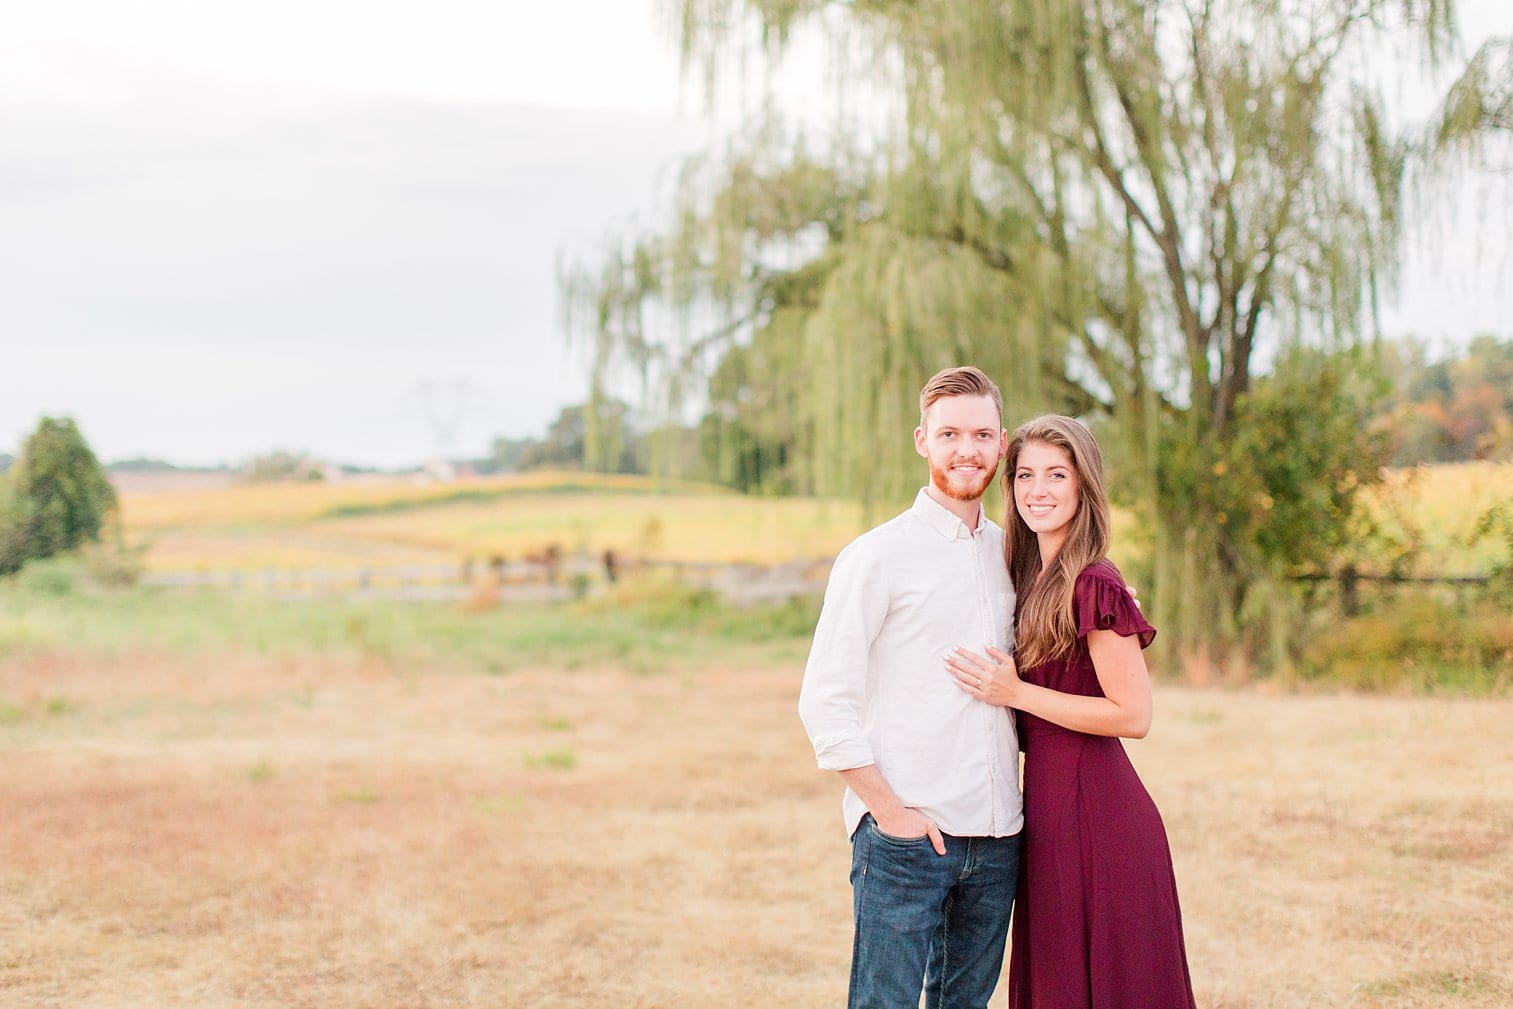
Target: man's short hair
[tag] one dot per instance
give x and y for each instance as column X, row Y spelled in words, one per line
column 964, row 381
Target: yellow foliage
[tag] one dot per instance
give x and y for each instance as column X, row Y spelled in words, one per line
column 1439, row 507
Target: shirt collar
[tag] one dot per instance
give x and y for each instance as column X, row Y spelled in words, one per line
column 940, row 518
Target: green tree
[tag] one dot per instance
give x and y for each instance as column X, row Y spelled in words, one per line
column 1479, row 107
column 748, row 436
column 279, row 465
column 599, row 437
column 504, row 454
column 59, row 495
column 1123, row 209
column 13, row 519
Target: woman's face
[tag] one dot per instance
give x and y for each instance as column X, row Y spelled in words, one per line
column 1046, row 489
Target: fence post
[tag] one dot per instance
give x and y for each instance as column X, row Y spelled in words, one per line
column 1350, row 599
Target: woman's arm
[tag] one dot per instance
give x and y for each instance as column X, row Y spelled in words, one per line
column 1124, row 710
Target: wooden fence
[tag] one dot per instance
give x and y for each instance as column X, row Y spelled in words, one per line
column 550, row 577
column 543, row 578
column 1349, row 580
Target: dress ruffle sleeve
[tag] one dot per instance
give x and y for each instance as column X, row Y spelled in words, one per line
column 1102, row 603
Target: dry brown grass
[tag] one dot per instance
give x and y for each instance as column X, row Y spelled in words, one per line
column 243, row 832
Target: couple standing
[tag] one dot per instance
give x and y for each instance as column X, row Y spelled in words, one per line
column 910, row 693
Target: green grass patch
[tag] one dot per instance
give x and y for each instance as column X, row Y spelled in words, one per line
column 52, row 707
column 1437, row 982
column 645, row 628
column 358, row 796
column 555, row 760
column 496, row 805
column 56, row 576
column 397, row 506
column 486, row 495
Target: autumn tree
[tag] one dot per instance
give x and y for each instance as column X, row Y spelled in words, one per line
column 1453, row 409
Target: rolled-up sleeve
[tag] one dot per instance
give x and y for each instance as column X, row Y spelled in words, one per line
column 832, row 701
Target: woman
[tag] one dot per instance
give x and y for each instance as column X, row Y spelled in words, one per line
column 1096, row 922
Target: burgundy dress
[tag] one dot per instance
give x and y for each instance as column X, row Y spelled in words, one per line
column 1096, row 921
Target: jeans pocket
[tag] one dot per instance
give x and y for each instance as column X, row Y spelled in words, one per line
column 902, row 842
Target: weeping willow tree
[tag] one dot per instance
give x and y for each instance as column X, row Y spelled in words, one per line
column 1172, row 218
column 1479, row 105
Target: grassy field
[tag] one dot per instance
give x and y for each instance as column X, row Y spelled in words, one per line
column 211, row 802
column 221, row 800
column 353, row 532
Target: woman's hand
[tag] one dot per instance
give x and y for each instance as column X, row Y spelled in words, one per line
column 992, row 680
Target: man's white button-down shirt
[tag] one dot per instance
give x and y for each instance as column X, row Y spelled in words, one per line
column 877, row 690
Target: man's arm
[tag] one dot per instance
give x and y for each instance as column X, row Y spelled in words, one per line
column 892, row 816
column 833, row 698
column 832, row 701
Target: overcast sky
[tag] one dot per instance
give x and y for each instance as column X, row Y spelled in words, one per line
column 334, row 226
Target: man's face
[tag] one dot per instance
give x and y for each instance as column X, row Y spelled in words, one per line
column 963, row 439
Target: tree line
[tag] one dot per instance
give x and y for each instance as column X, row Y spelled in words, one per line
column 1456, row 408
column 1426, row 407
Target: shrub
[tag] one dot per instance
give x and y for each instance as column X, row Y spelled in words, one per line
column 56, row 576
column 1420, row 644
column 113, row 565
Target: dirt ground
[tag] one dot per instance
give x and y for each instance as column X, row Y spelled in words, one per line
column 238, row 832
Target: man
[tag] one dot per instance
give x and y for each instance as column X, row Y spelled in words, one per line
column 932, row 798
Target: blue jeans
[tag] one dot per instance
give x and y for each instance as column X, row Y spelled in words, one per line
column 936, row 923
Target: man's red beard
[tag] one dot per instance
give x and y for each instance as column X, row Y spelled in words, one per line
column 941, row 478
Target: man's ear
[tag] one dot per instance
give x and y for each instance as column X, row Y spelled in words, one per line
column 919, row 442
column 1003, row 443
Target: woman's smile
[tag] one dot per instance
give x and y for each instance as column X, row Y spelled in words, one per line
column 1045, row 488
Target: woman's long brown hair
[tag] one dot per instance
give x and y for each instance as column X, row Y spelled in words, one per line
column 1045, row 625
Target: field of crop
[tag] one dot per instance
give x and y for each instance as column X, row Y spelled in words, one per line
column 388, row 522
column 396, row 522
column 213, row 802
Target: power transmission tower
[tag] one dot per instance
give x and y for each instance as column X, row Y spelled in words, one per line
column 446, row 405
